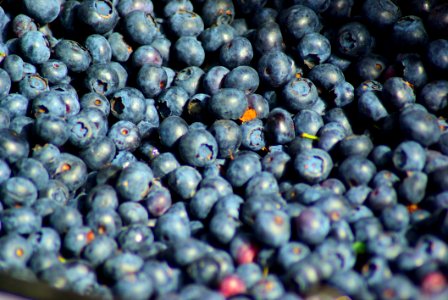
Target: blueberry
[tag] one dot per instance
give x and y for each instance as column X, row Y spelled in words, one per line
column 134, row 182
column 189, row 51
column 102, row 79
column 235, row 53
column 171, row 228
column 272, row 227
column 141, row 27
column 12, row 146
column 75, row 56
column 125, row 135
column 172, row 101
column 228, row 103
column 279, row 126
column 189, row 79
column 186, row 23
column 218, row 12
column 99, row 48
column 20, row 220
column 171, row 130
column 437, row 55
column 99, row 16
column 184, row 181
column 126, row 6
column 419, row 126
column 313, row 49
column 213, row 79
column 120, row 47
column 354, row 40
column 299, row 20
column 15, row 250
column 299, row 93
column 356, row 170
column 216, row 36
column 313, row 166
column 21, row 24
column 13, row 65
column 268, row 37
column 241, row 169
column 381, row 13
column 198, row 148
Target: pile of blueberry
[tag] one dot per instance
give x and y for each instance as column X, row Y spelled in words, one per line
column 213, row 149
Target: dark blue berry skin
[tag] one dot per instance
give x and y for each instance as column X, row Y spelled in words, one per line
column 98, row 16
column 163, row 164
column 262, row 183
column 184, row 181
column 171, row 130
column 125, row 135
column 354, row 40
column 244, row 78
column 218, row 12
column 198, row 148
column 121, row 49
column 15, row 104
column 307, row 121
column 313, row 49
column 20, row 220
column 35, row 47
column 433, row 95
column 291, row 253
column 99, row 48
column 12, row 146
column 412, row 188
column 228, row 136
column 99, row 250
column 75, row 240
column 370, row 106
column 128, row 104
column 126, row 6
column 369, row 67
column 419, row 126
column 228, row 103
column 252, row 133
column 189, row 51
column 202, row 202
column 279, row 126
column 272, row 227
column 137, row 286
column 326, row 76
column 18, row 191
column 52, row 129
column 313, row 166
column 33, row 170
column 42, row 11
column 213, row 79
column 356, row 170
column 250, row 273
column 397, row 94
column 104, row 221
column 12, row 244
column 75, row 56
column 5, row 171
column 134, row 182
column 237, row 52
column 395, row 218
column 121, row 264
column 268, row 37
column 186, row 23
column 135, row 237
column 70, row 170
column 171, row 102
column 101, row 79
column 141, row 27
column 437, row 55
column 214, row 37
column 259, row 104
column 275, row 68
column 223, row 227
column 382, row 197
column 64, row 218
column 357, row 195
column 13, row 65
column 381, row 13
column 196, row 107
column 21, row 24
column 299, row 20
column 219, row 184
column 190, row 79
column 172, row 228
column 31, row 85
column 101, row 196
column 241, row 169
column 151, row 80
column 99, row 153
column 171, row 7
column 299, row 93
column 360, row 145
column 133, row 213
column 409, row 33
column 409, row 156
column 165, row 278
column 41, row 260
column 158, row 201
